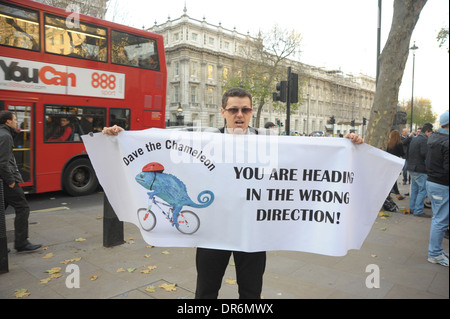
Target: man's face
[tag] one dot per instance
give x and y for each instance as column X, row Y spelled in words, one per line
column 237, row 113
column 12, row 123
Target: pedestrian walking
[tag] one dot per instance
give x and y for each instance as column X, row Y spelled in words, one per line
column 437, row 185
column 416, row 167
column 9, row 173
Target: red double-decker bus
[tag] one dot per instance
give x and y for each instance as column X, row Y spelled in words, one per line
column 64, row 75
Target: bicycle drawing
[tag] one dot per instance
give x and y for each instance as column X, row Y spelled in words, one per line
column 188, row 221
column 173, row 192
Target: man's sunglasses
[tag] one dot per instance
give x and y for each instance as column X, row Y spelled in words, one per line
column 234, row 110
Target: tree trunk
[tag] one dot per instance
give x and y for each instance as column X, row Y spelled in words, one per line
column 392, row 65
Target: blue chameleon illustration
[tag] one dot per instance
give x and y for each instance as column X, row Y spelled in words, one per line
column 169, row 188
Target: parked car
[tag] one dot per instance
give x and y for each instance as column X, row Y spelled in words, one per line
column 318, row 134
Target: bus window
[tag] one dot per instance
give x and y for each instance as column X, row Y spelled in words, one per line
column 67, row 123
column 133, row 50
column 19, row 27
column 120, row 117
column 65, row 38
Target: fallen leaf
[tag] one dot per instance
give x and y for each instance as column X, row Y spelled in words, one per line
column 150, row 289
column 49, row 255
column 55, row 276
column 373, row 255
column 149, row 268
column 53, row 270
column 46, row 280
column 120, row 270
column 168, row 287
column 68, row 261
column 149, row 246
column 165, row 252
column 230, row 281
column 21, row 293
column 94, row 278
column 131, row 269
column 45, row 248
column 80, row 239
column 147, row 255
column 383, row 228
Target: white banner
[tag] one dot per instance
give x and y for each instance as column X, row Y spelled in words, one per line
column 244, row 192
column 25, row 75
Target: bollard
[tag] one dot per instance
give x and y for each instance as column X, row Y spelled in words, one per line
column 112, row 226
column 3, row 241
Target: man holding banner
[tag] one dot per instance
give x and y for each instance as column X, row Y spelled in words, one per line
column 250, row 264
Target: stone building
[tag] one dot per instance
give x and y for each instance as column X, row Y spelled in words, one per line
column 201, row 55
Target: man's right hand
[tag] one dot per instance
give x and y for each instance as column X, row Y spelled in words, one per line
column 113, row 130
column 12, row 185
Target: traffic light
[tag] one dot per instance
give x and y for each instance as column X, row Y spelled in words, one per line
column 281, row 95
column 332, row 120
column 364, row 121
column 353, row 123
column 293, row 89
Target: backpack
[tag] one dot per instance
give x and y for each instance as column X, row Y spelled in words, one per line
column 390, row 205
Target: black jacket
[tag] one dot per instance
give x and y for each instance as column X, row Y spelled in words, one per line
column 437, row 158
column 417, row 154
column 9, row 171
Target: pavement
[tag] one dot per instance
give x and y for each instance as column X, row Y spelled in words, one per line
column 395, row 249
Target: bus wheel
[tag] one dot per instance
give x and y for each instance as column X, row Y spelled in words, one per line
column 79, row 178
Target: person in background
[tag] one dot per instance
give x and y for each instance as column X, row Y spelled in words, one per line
column 9, row 172
column 437, row 164
column 416, row 167
column 395, row 147
column 63, row 132
column 406, row 139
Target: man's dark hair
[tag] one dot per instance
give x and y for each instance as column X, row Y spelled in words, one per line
column 427, row 127
column 5, row 116
column 235, row 92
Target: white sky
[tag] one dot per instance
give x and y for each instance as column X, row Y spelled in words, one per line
column 337, row 34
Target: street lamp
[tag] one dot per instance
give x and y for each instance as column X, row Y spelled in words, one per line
column 413, row 49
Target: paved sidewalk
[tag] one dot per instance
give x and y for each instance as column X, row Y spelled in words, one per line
column 397, row 245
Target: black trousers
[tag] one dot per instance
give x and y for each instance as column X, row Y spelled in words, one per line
column 16, row 198
column 211, row 265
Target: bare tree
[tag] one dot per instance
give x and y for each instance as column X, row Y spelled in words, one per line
column 263, row 63
column 392, row 65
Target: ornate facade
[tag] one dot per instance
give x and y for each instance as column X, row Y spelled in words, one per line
column 200, row 56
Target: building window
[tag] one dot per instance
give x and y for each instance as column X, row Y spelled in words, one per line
column 176, row 69
column 210, row 95
column 193, row 94
column 194, row 37
column 210, row 71
column 211, row 41
column 194, row 69
column 225, row 74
